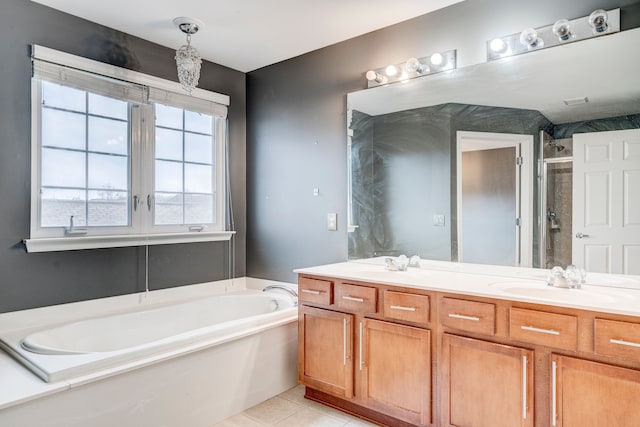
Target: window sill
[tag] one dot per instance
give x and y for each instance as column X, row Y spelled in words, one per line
column 96, row 242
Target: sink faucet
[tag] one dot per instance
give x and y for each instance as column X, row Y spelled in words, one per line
column 402, row 263
column 572, row 277
column 392, row 265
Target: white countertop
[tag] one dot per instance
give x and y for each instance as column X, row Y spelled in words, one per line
column 608, row 293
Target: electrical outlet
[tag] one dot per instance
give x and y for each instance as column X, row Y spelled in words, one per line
column 332, row 222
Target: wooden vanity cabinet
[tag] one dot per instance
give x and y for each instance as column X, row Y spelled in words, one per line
column 394, row 370
column 325, row 350
column 358, row 349
column 485, row 384
column 592, row 394
column 404, row 357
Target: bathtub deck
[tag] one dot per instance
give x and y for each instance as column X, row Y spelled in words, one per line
column 20, row 386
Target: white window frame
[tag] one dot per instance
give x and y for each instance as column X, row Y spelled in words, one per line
column 141, row 230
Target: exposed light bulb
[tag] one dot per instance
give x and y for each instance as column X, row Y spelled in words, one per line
column 436, row 59
column 414, row 66
column 375, row 77
column 562, row 29
column 498, row 46
column 529, row 38
column 391, row 70
column 598, row 21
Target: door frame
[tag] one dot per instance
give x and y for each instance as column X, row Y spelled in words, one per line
column 474, row 141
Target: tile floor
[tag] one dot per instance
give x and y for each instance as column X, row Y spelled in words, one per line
column 291, row 409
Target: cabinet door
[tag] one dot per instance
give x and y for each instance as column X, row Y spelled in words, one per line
column 395, row 368
column 591, row 394
column 325, row 349
column 486, row 384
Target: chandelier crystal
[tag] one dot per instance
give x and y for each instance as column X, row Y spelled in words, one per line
column 188, row 60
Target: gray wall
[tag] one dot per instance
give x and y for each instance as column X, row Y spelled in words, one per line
column 32, row 280
column 296, row 121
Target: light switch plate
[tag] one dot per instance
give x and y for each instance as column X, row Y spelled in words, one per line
column 332, row 222
column 438, row 220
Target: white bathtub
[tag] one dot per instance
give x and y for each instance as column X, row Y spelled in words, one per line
column 193, row 362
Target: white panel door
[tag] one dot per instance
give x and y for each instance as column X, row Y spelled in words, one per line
column 606, row 201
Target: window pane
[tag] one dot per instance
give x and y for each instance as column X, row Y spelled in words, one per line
column 63, row 129
column 108, row 208
column 169, row 117
column 198, row 148
column 108, row 107
column 196, row 122
column 168, row 144
column 197, row 178
column 58, row 205
column 168, row 209
column 63, row 168
column 168, row 176
column 198, row 209
column 55, row 95
column 108, row 136
column 108, row 172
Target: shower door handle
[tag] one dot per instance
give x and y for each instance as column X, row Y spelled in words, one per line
column 581, row 236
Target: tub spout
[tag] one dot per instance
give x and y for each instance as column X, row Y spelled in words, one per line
column 284, row 288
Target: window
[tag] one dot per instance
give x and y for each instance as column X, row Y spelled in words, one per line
column 184, row 167
column 84, row 159
column 120, row 162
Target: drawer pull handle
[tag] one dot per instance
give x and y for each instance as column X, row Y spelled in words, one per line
column 463, row 317
column 399, row 307
column 623, row 342
column 310, row 291
column 540, row 330
column 348, row 298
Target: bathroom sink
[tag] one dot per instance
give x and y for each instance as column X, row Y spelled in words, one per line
column 540, row 290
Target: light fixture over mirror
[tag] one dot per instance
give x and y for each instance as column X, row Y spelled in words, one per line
column 412, row 68
column 563, row 31
column 188, row 60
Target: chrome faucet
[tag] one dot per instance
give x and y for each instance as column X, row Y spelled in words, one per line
column 572, row 277
column 414, row 261
column 402, row 263
column 284, row 288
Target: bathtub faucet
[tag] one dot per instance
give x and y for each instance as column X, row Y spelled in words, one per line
column 287, row 289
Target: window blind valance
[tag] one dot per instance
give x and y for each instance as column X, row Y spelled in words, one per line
column 68, row 69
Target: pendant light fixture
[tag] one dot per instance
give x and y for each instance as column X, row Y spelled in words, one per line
column 188, row 60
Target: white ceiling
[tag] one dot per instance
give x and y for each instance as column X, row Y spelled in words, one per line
column 249, row 34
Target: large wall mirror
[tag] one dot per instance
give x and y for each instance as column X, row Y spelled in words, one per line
column 532, row 160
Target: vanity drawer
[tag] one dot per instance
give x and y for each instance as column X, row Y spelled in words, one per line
column 469, row 316
column 618, row 339
column 363, row 299
column 407, row 307
column 315, row 291
column 548, row 329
